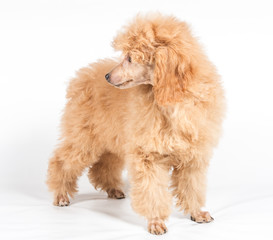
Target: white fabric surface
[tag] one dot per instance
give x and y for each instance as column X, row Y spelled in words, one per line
column 239, row 212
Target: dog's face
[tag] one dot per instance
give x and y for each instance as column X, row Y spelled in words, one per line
column 130, row 73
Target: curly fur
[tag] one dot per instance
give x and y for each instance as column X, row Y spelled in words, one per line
column 175, row 123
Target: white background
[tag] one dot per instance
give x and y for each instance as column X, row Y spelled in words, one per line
column 43, row 43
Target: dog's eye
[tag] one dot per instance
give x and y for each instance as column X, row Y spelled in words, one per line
column 129, row 59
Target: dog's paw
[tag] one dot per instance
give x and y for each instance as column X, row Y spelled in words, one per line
column 61, row 200
column 202, row 217
column 157, row 226
column 115, row 193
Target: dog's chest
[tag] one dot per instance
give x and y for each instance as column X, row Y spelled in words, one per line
column 165, row 133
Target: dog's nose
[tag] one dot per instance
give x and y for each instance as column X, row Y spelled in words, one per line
column 107, row 76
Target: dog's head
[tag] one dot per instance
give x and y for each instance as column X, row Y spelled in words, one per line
column 157, row 50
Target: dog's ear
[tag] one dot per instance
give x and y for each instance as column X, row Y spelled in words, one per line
column 171, row 74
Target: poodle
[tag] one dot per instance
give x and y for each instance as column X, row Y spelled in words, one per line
column 158, row 111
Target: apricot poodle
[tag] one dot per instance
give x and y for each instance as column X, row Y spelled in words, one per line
column 160, row 109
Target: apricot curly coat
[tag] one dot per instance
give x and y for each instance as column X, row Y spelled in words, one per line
column 173, row 123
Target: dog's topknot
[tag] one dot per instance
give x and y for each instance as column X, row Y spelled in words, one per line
column 146, row 33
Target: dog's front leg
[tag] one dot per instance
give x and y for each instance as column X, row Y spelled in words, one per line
column 149, row 183
column 189, row 187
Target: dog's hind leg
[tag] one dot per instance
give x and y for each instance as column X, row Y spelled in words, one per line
column 106, row 174
column 64, row 168
column 149, row 190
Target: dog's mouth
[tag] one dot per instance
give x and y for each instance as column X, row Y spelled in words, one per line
column 124, row 83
